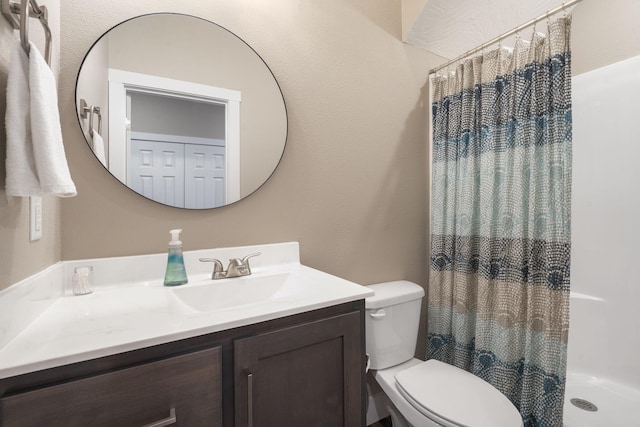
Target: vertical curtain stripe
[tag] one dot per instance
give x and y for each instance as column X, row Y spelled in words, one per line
column 500, row 221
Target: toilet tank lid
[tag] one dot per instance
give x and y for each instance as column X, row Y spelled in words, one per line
column 391, row 293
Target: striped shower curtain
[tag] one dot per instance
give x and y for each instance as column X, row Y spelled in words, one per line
column 500, row 244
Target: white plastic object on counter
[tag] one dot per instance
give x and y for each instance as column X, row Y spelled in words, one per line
column 82, row 280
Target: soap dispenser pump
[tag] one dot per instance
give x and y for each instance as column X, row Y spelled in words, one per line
column 176, row 274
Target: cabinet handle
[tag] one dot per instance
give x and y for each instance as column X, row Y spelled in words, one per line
column 249, row 399
column 171, row 419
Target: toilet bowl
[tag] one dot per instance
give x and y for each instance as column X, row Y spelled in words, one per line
column 424, row 393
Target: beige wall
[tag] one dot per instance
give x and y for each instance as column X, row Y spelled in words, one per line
column 351, row 186
column 20, row 258
column 604, row 32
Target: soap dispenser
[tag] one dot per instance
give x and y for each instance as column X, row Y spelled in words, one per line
column 176, row 273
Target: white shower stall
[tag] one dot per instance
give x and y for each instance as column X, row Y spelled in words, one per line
column 604, row 334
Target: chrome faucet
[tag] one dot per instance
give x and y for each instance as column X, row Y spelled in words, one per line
column 237, row 267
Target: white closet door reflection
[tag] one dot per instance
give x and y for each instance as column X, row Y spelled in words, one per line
column 205, row 176
column 175, row 171
column 157, row 170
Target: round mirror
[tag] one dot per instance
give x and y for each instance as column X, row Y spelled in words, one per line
column 181, row 111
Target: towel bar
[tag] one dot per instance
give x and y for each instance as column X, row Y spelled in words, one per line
column 90, row 111
column 10, row 10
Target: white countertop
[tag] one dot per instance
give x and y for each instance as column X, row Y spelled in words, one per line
column 141, row 313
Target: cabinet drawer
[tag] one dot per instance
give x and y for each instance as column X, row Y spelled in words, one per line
column 187, row 388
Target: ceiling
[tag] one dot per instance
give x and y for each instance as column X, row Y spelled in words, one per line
column 450, row 28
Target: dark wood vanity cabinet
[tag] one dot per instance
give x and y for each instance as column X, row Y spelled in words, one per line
column 183, row 390
column 301, row 370
column 306, row 375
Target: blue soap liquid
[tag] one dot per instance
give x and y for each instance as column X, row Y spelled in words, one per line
column 176, row 273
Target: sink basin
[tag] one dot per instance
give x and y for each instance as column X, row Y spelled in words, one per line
column 239, row 291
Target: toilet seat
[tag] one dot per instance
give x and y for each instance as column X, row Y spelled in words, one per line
column 441, row 391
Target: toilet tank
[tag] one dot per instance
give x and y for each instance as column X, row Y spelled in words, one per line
column 392, row 320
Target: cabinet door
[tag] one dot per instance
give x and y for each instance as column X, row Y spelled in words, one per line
column 178, row 391
column 306, row 375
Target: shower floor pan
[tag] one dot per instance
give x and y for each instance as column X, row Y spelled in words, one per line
column 617, row 404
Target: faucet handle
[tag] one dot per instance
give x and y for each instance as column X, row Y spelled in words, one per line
column 218, row 272
column 240, row 266
column 245, row 260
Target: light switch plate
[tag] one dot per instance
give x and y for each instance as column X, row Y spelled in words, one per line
column 35, row 218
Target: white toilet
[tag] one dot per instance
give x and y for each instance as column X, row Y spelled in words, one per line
column 431, row 393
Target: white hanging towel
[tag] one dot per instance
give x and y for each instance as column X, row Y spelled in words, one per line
column 36, row 162
column 22, row 178
column 98, row 147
